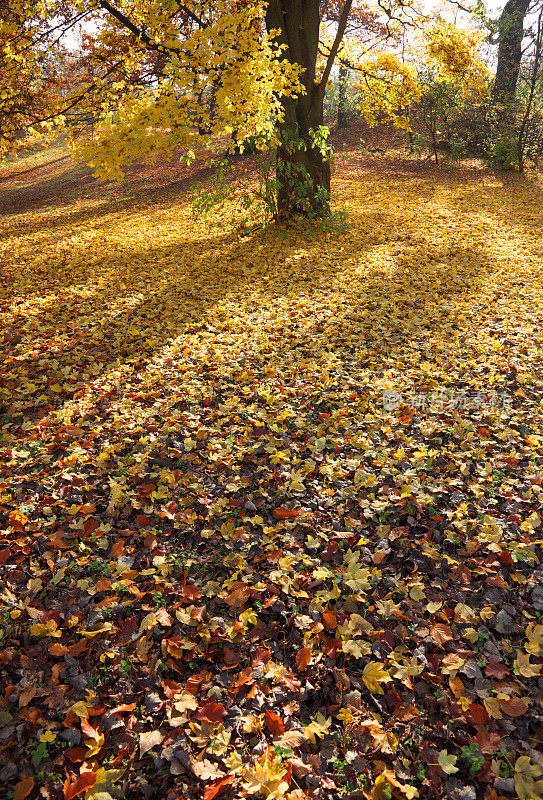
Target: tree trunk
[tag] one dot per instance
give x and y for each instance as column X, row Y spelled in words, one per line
column 342, row 96
column 511, row 32
column 303, row 167
column 533, row 85
column 303, row 163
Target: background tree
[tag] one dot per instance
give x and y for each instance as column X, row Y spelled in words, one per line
column 530, row 135
column 510, row 36
column 33, row 70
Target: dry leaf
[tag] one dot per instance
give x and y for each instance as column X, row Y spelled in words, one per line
column 148, row 740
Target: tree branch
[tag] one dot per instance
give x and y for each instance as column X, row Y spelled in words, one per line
column 342, row 25
column 140, row 34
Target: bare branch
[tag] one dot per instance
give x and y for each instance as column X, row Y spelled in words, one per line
column 342, row 25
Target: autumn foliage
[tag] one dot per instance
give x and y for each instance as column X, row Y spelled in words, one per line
column 228, row 567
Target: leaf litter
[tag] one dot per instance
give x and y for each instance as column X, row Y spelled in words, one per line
column 271, row 504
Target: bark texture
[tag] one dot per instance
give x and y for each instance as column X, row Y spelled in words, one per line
column 299, row 24
column 511, row 32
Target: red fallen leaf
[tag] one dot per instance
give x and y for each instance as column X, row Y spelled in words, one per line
column 393, row 699
column 488, row 742
column 273, row 556
column 116, row 550
column 194, row 683
column 198, row 613
column 514, row 707
column 174, row 646
column 212, row 712
column 237, row 596
column 230, row 657
column 303, row 657
column 217, row 786
column 86, row 781
column 441, row 633
column 484, row 432
column 495, row 670
column 170, row 688
column 142, row 520
column 497, row 581
column 4, row 555
column 57, row 649
column 78, row 648
column 274, row 723
column 405, row 713
column 146, row 489
column 90, row 526
column 76, row 754
column 56, row 671
column 17, row 520
column 56, row 540
column 23, row 788
column 253, row 691
column 190, row 593
column 462, row 573
column 329, row 620
column 479, row 714
column 328, row 552
column 124, row 707
column 331, row 647
column 87, row 729
column 86, row 508
column 285, row 513
column 261, row 657
column 244, row 677
column 437, row 518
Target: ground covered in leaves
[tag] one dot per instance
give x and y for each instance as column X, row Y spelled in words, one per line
column 271, row 504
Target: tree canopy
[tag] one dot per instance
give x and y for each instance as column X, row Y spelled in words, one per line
column 149, row 68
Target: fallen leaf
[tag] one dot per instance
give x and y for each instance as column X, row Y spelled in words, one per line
column 212, row 712
column 274, row 723
column 373, row 675
column 303, row 658
column 148, row 740
column 215, row 788
column 23, row 788
column 447, row 762
column 441, row 633
column 84, row 782
column 515, row 707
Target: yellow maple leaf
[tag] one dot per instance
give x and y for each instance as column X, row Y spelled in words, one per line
column 388, row 779
column 49, row 628
column 447, row 762
column 373, row 675
column 317, row 727
column 523, row 667
column 266, row 778
column 345, row 715
column 526, row 775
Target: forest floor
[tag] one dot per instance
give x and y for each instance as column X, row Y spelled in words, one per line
column 271, row 501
